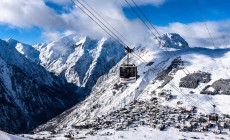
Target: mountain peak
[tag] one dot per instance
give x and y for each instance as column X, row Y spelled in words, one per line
column 12, row 42
column 27, row 50
column 172, row 40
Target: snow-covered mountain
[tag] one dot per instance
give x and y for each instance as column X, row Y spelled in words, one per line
column 6, row 136
column 170, row 80
column 29, row 94
column 79, row 59
column 27, row 50
column 172, row 40
column 40, row 81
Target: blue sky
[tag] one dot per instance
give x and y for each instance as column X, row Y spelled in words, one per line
column 162, row 15
column 30, row 35
column 184, row 11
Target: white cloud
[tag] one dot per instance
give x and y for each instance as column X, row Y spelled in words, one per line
column 26, row 14
column 197, row 35
column 69, row 32
column 50, row 36
column 29, row 13
column 112, row 12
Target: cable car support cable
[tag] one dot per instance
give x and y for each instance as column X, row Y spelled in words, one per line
column 210, row 35
column 108, row 30
column 154, row 34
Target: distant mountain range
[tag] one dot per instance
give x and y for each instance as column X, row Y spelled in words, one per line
column 39, row 82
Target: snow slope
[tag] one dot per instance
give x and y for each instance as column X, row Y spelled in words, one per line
column 147, row 133
column 138, row 133
column 154, row 69
column 5, row 136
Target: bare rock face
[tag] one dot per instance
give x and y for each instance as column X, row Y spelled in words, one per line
column 193, row 80
column 221, row 86
column 167, row 75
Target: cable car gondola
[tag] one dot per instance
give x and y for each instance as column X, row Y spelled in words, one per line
column 128, row 72
column 213, row 116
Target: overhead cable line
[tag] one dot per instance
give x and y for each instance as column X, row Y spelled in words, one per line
column 107, row 30
column 210, row 35
column 96, row 13
column 145, row 17
column 141, row 18
column 202, row 16
column 186, row 96
column 136, row 55
column 153, row 33
column 206, row 26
